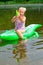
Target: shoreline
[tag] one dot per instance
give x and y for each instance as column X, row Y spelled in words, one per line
column 18, row 5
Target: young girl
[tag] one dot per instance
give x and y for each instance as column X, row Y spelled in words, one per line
column 20, row 22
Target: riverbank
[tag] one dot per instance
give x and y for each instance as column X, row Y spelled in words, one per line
column 18, row 5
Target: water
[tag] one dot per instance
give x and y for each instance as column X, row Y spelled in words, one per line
column 28, row 52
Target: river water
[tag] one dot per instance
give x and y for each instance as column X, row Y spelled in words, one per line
column 29, row 52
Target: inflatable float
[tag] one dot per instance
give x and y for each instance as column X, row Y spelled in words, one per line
column 12, row 35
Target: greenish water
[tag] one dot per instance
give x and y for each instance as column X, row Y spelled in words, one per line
column 34, row 15
column 26, row 53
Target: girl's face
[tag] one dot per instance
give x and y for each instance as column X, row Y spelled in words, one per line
column 21, row 12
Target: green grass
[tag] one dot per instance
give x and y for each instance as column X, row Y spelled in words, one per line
column 29, row 2
column 36, row 1
column 12, row 2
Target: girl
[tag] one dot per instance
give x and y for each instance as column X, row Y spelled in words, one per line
column 20, row 22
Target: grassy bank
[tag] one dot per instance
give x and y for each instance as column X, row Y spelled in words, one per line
column 13, row 2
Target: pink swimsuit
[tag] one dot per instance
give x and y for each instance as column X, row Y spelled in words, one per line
column 19, row 25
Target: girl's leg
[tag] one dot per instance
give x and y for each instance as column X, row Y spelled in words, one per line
column 19, row 32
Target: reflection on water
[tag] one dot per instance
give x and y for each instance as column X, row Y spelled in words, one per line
column 19, row 51
column 28, row 52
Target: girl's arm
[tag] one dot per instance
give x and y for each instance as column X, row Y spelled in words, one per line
column 13, row 19
column 23, row 19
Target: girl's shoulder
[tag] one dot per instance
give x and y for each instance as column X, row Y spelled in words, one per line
column 25, row 17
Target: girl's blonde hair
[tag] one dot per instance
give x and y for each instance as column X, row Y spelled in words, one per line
column 22, row 8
